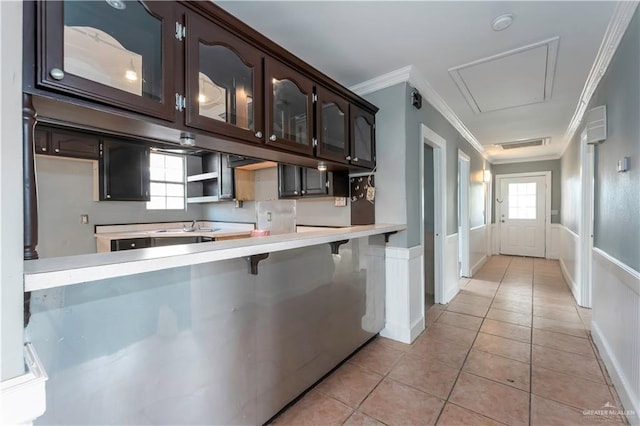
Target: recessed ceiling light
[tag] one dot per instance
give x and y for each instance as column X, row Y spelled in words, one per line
column 502, row 22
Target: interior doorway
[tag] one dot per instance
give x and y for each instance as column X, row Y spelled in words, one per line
column 464, row 170
column 428, row 227
column 433, row 178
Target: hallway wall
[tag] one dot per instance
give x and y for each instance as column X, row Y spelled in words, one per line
column 616, row 253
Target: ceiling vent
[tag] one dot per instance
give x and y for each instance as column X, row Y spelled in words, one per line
column 524, row 144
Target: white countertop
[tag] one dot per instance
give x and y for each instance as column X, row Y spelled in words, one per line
column 60, row 271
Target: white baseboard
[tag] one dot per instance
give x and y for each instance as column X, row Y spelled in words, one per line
column 475, row 268
column 404, row 294
column 24, row 397
column 615, row 326
column 573, row 286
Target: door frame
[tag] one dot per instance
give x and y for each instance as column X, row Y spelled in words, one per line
column 439, row 145
column 547, row 201
column 585, row 226
column 464, row 175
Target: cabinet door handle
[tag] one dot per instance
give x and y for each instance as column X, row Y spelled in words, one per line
column 133, row 244
column 295, row 192
column 57, row 150
column 43, row 149
column 56, row 73
column 258, row 135
column 355, row 159
column 273, row 138
column 348, row 157
column 108, row 196
column 304, row 192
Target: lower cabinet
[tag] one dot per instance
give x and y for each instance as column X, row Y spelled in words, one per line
column 130, row 243
column 138, row 243
column 124, row 171
column 297, row 182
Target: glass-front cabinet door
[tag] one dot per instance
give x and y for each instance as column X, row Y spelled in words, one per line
column 289, row 108
column 332, row 126
column 119, row 52
column 224, row 82
column 363, row 138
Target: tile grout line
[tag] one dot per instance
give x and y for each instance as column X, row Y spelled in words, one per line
column 448, row 400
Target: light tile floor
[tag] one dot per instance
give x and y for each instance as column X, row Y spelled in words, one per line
column 511, row 348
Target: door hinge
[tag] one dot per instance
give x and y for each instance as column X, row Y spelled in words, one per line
column 181, row 102
column 181, row 31
column 315, row 98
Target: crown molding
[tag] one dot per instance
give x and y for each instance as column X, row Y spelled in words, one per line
column 410, row 75
column 383, row 81
column 525, row 159
column 615, row 30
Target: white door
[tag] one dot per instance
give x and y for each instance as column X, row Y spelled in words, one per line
column 522, row 216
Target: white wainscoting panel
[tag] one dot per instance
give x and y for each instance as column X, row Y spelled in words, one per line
column 569, row 260
column 478, row 247
column 616, row 326
column 23, row 398
column 451, row 278
column 404, row 302
column 554, row 246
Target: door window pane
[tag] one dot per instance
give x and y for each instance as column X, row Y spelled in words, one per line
column 117, row 43
column 522, row 200
column 363, row 138
column 289, row 112
column 225, row 85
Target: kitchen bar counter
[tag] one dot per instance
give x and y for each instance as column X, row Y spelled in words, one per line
column 62, row 271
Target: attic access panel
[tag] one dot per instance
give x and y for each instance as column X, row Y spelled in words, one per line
column 515, row 78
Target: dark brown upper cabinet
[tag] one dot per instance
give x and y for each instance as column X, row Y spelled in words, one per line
column 124, row 171
column 363, row 138
column 332, row 126
column 121, row 53
column 224, row 79
column 289, row 108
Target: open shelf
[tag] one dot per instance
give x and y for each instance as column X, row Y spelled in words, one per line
column 204, row 199
column 203, row 177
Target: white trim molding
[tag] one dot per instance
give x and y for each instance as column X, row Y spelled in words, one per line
column 23, row 398
column 404, row 294
column 616, row 315
column 439, row 145
column 411, row 75
column 615, row 30
column 526, row 159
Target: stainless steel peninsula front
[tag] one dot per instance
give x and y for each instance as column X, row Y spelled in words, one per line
column 206, row 342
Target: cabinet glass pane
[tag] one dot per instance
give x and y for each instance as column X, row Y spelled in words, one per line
column 225, row 86
column 289, row 112
column 363, row 138
column 333, row 137
column 117, row 43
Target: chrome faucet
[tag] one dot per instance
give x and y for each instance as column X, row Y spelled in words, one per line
column 190, row 228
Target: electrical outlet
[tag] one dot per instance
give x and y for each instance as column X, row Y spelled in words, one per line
column 84, row 219
column 340, row 201
column 371, row 193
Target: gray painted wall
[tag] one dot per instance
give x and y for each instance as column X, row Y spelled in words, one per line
column 534, row 166
column 617, row 195
column 436, row 122
column 398, row 184
column 391, row 202
column 571, row 187
column 65, row 191
column 11, row 284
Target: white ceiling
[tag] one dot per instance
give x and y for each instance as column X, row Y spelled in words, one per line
column 355, row 41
